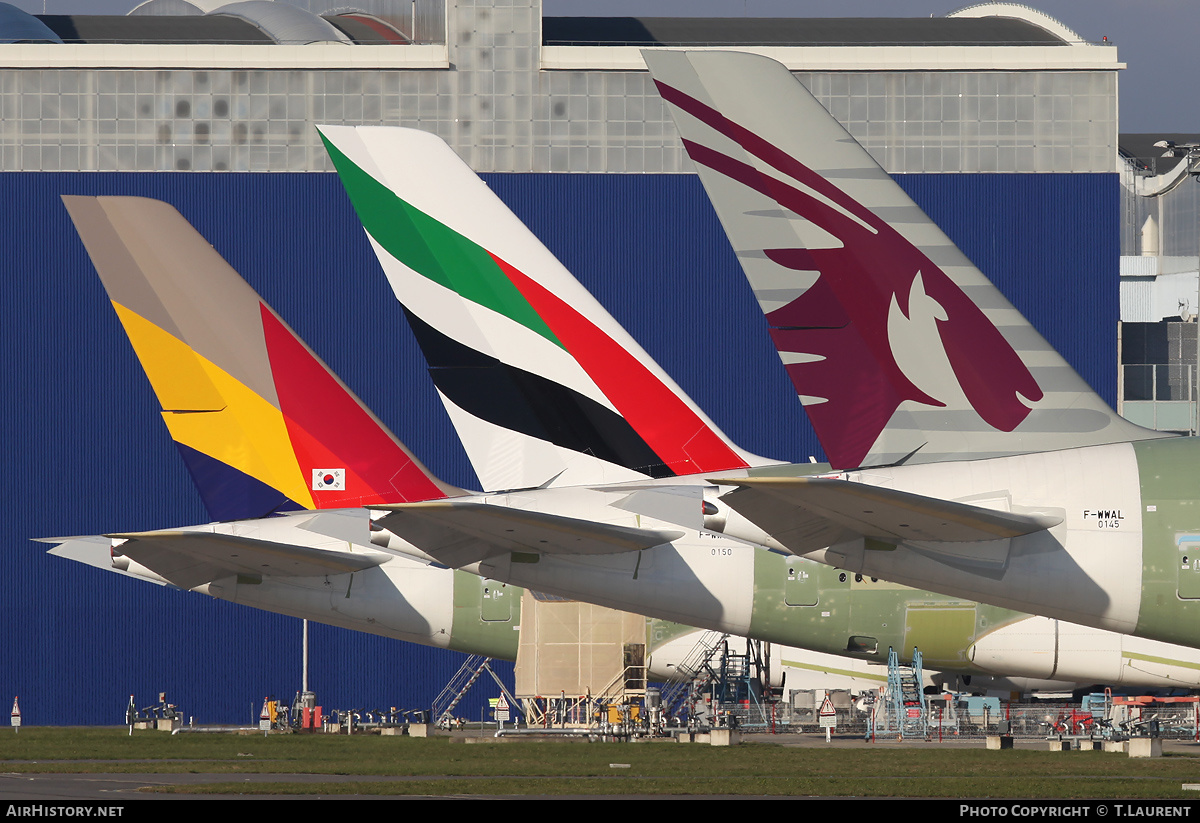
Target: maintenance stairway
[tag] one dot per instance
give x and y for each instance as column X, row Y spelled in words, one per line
column 902, row 710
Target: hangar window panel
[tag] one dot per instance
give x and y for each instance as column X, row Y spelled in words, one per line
column 48, row 107
column 1006, row 107
column 970, row 158
column 932, row 109
column 31, row 82
column 616, row 109
column 951, row 106
column 298, row 106
column 969, row 108
column 106, row 158
column 106, row 107
column 988, row 108
column 876, row 108
column 427, row 106
column 894, row 85
column 505, row 83
column 675, row 160
column 352, row 109
column 1025, row 109
column 201, row 157
column 856, row 110
column 877, row 131
column 126, row 157
column 951, row 158
column 1045, row 158
column 839, row 107
column 521, row 158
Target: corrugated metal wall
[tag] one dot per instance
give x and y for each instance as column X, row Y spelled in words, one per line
column 85, row 451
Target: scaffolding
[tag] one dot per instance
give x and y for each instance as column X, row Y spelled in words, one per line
column 729, row 688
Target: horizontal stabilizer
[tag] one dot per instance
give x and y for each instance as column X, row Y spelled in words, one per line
column 92, row 550
column 190, row 559
column 461, row 533
column 809, row 513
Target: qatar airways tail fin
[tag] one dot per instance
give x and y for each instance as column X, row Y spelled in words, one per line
column 542, row 384
column 237, row 386
column 900, row 349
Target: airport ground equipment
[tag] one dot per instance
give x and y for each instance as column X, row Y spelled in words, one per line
column 470, row 671
column 694, row 670
column 902, row 710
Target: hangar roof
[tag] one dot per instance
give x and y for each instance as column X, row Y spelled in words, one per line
column 777, row 31
column 1140, row 150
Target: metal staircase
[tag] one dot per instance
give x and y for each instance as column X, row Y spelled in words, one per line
column 694, row 670
column 461, row 683
column 696, row 666
column 902, row 710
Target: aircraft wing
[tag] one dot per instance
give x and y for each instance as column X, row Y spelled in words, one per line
column 188, row 559
column 810, row 513
column 461, row 533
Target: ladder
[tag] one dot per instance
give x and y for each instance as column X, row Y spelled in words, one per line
column 902, row 709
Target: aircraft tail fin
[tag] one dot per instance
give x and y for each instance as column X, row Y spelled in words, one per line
column 235, row 383
column 542, row 384
column 900, row 349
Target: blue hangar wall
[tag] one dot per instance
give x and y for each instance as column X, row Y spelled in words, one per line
column 85, row 451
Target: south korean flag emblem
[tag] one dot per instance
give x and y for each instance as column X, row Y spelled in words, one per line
column 324, row 480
